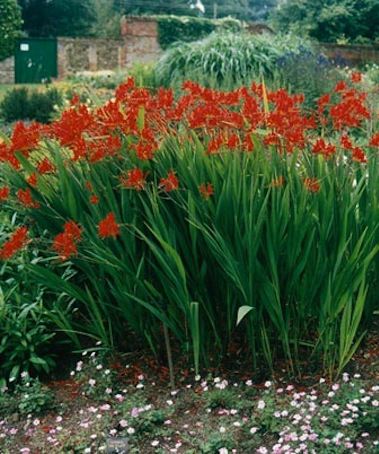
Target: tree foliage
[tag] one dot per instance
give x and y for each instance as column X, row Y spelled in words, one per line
column 58, row 17
column 10, row 26
column 330, row 20
column 241, row 9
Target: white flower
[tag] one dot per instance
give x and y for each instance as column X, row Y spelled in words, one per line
column 223, row 451
column 335, row 387
column 268, row 384
column 92, row 382
column 253, row 430
column 375, row 403
column 140, row 377
column 169, row 402
column 36, row 422
column 139, row 386
column 222, row 429
column 99, row 366
column 123, row 423
column 261, row 405
column 108, row 391
column 217, row 380
column 155, row 443
column 248, row 382
column 130, row 430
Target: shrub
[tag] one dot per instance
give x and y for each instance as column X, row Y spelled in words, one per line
column 10, row 27
column 22, row 104
column 225, row 217
column 172, row 29
column 226, row 61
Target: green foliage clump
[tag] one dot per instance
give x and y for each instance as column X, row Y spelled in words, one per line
column 29, row 397
column 10, row 26
column 173, row 29
column 347, row 20
column 225, row 61
column 25, row 104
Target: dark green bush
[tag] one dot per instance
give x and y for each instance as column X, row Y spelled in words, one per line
column 10, row 26
column 25, row 104
column 172, row 29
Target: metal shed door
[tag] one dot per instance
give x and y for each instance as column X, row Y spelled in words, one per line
column 35, row 60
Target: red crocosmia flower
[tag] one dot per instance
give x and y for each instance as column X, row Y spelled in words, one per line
column 65, row 243
column 4, row 193
column 346, row 142
column 108, row 227
column 170, row 183
column 65, row 246
column 32, row 180
column 312, row 184
column 71, row 228
column 374, row 142
column 94, row 199
column 340, row 86
column 356, row 77
column 135, row 179
column 206, row 190
column 16, row 242
column 278, row 182
column 45, row 166
column 233, row 141
column 88, row 186
column 359, row 155
column 25, row 197
column 323, row 148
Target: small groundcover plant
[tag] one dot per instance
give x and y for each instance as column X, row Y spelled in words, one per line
column 214, row 218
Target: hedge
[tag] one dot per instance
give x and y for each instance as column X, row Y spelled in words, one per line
column 173, row 29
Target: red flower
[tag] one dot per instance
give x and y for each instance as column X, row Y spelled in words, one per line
column 312, row 184
column 356, row 77
column 340, row 86
column 32, row 180
column 4, row 193
column 71, row 228
column 94, row 199
column 359, row 155
column 346, row 142
column 323, row 148
column 135, row 179
column 45, row 166
column 16, row 242
column 65, row 243
column 108, row 227
column 170, row 183
column 278, row 182
column 25, row 197
column 374, row 142
column 206, row 190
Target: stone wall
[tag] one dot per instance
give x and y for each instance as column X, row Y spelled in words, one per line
column 351, row 55
column 87, row 54
column 7, row 71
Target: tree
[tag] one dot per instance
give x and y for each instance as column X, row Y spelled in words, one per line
column 330, row 20
column 57, row 17
column 10, row 26
column 241, row 9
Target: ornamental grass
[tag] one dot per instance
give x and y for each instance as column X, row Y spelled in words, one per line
column 216, row 222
